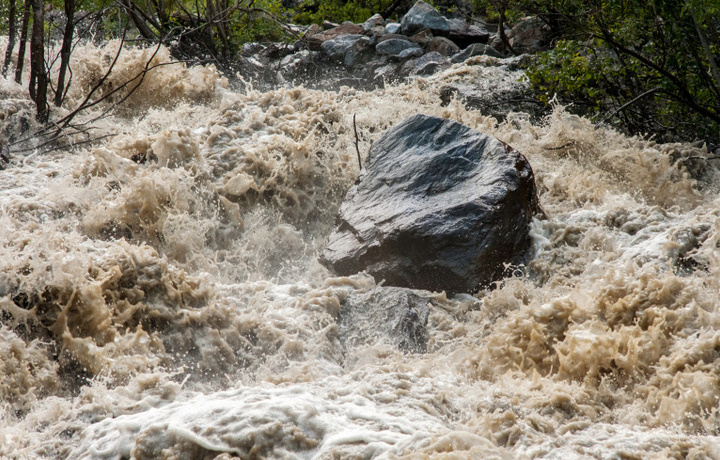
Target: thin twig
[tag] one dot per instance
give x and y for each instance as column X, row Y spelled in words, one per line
column 627, row 104
column 357, row 148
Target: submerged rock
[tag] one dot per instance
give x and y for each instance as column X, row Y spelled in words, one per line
column 396, row 315
column 439, row 206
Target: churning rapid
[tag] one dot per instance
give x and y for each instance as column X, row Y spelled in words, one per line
column 161, row 296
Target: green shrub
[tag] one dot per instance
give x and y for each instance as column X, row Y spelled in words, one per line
column 317, row 11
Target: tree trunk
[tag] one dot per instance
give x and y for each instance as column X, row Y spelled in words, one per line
column 501, row 7
column 23, row 41
column 12, row 32
column 141, row 21
column 65, row 51
column 38, row 75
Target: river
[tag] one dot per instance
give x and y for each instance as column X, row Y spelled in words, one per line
column 173, row 307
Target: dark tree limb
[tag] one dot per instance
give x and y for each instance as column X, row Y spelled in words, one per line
column 65, row 51
column 357, row 148
column 12, row 32
column 628, row 104
column 38, row 73
column 23, row 42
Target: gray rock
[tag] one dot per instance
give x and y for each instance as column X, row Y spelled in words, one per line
column 392, row 28
column 397, row 316
column 248, row 49
column 386, row 71
column 427, row 64
column 443, row 46
column 374, row 21
column 422, row 38
column 423, row 16
column 476, row 49
column 520, row 62
column 438, row 206
column 315, row 41
column 410, row 53
column 376, row 32
column 464, row 34
column 335, row 48
column 430, row 63
column 360, row 53
column 394, row 46
column 529, row 35
column 391, row 36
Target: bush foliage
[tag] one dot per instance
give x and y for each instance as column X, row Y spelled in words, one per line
column 647, row 66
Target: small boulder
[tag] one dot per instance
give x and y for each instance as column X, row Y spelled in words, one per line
column 430, row 63
column 423, row 16
column 464, row 34
column 422, row 38
column 392, row 28
column 394, row 46
column 397, row 316
column 389, row 36
column 374, row 21
column 529, row 35
column 438, row 206
column 443, row 46
column 360, row 53
column 410, row 53
column 315, row 41
column 476, row 49
column 335, row 48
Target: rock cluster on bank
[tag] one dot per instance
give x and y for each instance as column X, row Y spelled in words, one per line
column 368, row 54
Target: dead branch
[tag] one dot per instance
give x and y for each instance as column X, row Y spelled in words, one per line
column 357, row 148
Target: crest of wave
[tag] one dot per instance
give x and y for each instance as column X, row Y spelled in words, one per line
column 141, row 77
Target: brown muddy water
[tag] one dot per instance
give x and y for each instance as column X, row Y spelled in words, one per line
column 175, row 308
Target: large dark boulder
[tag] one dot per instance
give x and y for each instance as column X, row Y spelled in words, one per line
column 439, row 206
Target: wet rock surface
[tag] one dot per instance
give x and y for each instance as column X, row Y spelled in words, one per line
column 439, row 206
column 395, row 315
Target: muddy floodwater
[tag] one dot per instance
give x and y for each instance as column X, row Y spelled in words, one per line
column 160, row 294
